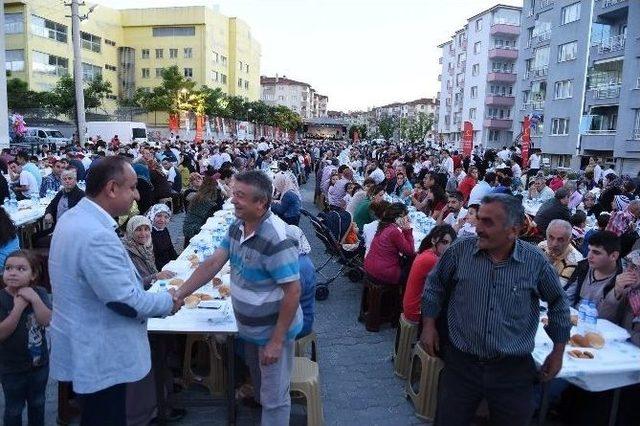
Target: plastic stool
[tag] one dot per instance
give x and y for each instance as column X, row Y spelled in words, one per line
column 422, row 383
column 302, row 344
column 216, row 380
column 406, row 335
column 379, row 303
column 305, row 379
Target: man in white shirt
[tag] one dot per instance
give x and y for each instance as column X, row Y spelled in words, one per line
column 482, row 188
column 216, row 159
column 597, row 172
column 447, row 163
column 24, row 184
column 376, row 174
column 534, row 166
column 505, row 154
column 454, row 210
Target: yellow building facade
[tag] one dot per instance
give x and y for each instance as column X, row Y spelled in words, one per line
column 130, row 47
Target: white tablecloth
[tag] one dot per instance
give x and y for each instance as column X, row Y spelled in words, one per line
column 531, row 207
column 30, row 213
column 616, row 365
column 199, row 320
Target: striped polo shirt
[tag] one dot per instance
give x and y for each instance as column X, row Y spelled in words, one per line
column 260, row 264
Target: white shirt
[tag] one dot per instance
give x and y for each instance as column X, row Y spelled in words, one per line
column 27, row 179
column 171, row 174
column 478, row 192
column 262, row 146
column 368, row 232
column 505, row 154
column 516, row 170
column 216, row 161
column 452, row 218
column 377, row 175
column 534, row 161
column 447, row 164
column 597, row 173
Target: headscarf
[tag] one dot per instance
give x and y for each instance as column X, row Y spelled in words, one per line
column 144, row 252
column 142, row 171
column 634, row 294
column 282, row 183
column 154, row 210
column 299, row 238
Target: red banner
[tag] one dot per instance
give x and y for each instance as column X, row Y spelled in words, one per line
column 467, row 138
column 199, row 128
column 174, row 122
column 526, row 140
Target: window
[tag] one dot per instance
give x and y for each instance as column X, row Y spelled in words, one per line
column 173, row 53
column 13, row 23
column 174, row 31
column 498, row 90
column 499, row 113
column 636, row 126
column 223, row 78
column 475, row 70
column 109, row 42
column 188, row 52
column 14, row 60
column 247, row 65
column 240, row 82
column 474, row 92
column 43, row 63
column 570, row 13
column 110, row 67
column 145, row 53
column 560, row 126
column 223, row 59
column 563, row 89
column 494, row 135
column 46, row 28
column 90, row 72
column 145, row 72
column 241, row 65
column 159, row 72
column 90, row 42
column 188, row 72
column 214, row 75
column 479, row 25
column 159, row 53
column 567, row 51
column 246, row 84
column 476, row 47
column 216, row 57
column 472, row 113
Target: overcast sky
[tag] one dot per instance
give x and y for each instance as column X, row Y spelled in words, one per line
column 360, row 53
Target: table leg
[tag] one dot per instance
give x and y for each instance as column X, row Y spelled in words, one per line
column 231, row 374
column 544, row 404
column 614, row 407
column 159, row 362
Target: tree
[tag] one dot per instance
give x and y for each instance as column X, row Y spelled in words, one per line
column 420, row 126
column 63, row 96
column 95, row 92
column 387, row 127
column 215, row 101
column 173, row 94
column 21, row 99
column 362, row 131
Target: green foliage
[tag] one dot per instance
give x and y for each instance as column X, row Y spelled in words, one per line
column 21, row 99
column 362, row 131
column 387, row 127
column 62, row 100
column 419, row 127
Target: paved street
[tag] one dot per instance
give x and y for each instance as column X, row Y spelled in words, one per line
column 356, row 372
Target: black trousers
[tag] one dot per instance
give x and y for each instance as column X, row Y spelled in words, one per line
column 506, row 384
column 107, row 407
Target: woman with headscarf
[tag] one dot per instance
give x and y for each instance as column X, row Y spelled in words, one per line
column 207, row 201
column 308, row 278
column 144, row 186
column 289, row 202
column 163, row 250
column 612, row 187
column 139, row 245
column 161, row 186
column 621, row 217
column 195, row 182
column 390, row 180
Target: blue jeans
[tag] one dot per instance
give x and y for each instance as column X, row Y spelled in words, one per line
column 24, row 387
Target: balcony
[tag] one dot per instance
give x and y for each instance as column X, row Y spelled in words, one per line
column 536, row 73
column 544, row 5
column 598, row 140
column 541, row 38
column 502, row 53
column 611, row 10
column 505, row 30
column 636, row 135
column 611, row 44
column 498, row 100
column 504, row 77
column 498, row 123
column 603, row 95
column 534, row 105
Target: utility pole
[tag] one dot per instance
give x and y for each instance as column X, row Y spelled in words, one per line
column 4, row 107
column 77, row 70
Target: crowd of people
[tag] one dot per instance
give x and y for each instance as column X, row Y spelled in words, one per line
column 580, row 243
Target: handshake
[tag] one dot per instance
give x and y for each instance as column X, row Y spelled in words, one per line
column 178, row 300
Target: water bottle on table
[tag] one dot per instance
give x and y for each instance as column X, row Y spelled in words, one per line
column 591, row 317
column 582, row 316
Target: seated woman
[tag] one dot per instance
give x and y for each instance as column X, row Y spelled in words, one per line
column 206, row 202
column 163, row 250
column 403, row 188
column 307, row 279
column 287, row 206
column 139, row 245
column 195, row 182
column 145, row 188
column 161, row 186
column 431, row 248
column 393, row 238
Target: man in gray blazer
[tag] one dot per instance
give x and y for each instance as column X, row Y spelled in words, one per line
column 99, row 330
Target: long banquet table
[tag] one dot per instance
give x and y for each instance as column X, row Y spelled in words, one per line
column 213, row 317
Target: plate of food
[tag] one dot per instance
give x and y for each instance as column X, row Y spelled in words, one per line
column 581, row 354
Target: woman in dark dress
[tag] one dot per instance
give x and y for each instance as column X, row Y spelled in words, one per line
column 163, row 250
column 145, row 188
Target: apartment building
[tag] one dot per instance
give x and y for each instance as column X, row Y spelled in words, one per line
column 580, row 80
column 478, row 77
column 130, row 47
column 295, row 95
column 406, row 109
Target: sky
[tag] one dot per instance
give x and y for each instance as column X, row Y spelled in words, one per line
column 360, row 53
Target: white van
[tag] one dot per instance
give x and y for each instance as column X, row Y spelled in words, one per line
column 127, row 131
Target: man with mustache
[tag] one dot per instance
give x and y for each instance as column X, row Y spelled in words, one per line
column 486, row 291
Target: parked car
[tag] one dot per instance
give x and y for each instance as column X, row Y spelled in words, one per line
column 40, row 135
